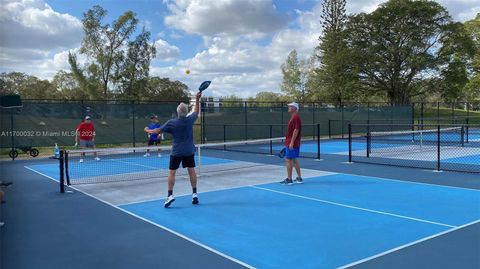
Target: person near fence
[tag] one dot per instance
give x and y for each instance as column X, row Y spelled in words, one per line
column 183, row 149
column 153, row 139
column 292, row 145
column 85, row 136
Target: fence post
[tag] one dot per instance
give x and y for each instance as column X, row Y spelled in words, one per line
column 349, row 142
column 133, row 122
column 329, row 129
column 369, row 141
column 271, row 143
column 343, row 118
column 438, row 147
column 202, row 122
column 318, row 141
column 246, row 120
column 12, row 134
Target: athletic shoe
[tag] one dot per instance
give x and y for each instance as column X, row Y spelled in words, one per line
column 81, row 160
column 298, row 180
column 286, row 181
column 159, row 155
column 146, row 155
column 97, row 159
column 170, row 199
column 194, row 199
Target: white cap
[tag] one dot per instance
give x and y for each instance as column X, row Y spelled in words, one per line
column 295, row 105
column 87, row 117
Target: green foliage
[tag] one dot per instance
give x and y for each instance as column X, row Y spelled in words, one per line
column 472, row 88
column 398, row 45
column 134, row 71
column 163, row 89
column 103, row 44
column 232, row 101
column 29, row 87
column 292, row 83
column 333, row 80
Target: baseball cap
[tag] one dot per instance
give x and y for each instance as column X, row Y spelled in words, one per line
column 294, row 105
column 153, row 116
column 87, row 117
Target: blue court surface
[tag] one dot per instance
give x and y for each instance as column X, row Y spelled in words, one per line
column 327, row 222
column 471, row 159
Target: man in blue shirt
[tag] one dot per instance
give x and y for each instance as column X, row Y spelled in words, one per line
column 153, row 139
column 183, row 150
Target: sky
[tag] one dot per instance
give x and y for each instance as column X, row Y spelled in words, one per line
column 239, row 45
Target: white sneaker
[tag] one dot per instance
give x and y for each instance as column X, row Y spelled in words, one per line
column 170, row 199
column 97, row 159
column 81, row 160
column 195, row 199
column 146, row 154
column 159, row 155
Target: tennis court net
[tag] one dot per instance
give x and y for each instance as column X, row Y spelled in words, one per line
column 440, row 147
column 125, row 164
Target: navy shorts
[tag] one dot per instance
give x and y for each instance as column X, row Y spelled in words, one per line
column 187, row 161
column 154, row 142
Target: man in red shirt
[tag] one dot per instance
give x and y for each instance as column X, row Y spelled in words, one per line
column 85, row 136
column 292, row 145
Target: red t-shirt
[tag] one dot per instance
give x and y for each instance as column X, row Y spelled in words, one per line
column 85, row 130
column 294, row 123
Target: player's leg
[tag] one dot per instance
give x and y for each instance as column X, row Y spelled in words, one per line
column 173, row 166
column 189, row 163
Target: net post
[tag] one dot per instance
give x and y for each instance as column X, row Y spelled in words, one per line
column 438, row 147
column 318, row 141
column 349, row 142
column 462, row 135
column 62, row 172
column 67, row 173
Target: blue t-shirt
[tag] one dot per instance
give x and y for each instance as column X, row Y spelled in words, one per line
column 182, row 131
column 153, row 126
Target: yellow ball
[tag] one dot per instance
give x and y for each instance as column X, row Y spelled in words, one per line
column 187, row 71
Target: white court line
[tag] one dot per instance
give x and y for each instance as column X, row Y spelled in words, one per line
column 353, row 207
column 407, row 245
column 155, row 224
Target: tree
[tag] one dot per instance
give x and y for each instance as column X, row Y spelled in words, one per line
column 398, row 45
column 89, row 84
column 29, row 87
column 232, row 101
column 133, row 74
column 68, row 87
column 292, row 77
column 103, row 43
column 162, row 89
column 472, row 90
column 333, row 79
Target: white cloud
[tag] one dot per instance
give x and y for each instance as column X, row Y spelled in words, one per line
column 165, row 51
column 237, row 65
column 34, row 38
column 32, row 24
column 224, row 17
